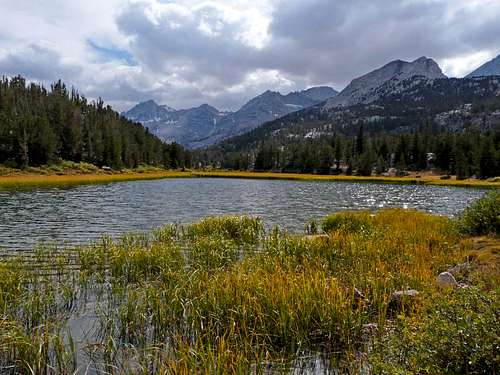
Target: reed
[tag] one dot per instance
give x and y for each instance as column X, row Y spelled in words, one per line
column 224, row 296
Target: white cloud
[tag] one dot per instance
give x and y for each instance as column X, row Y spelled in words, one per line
column 186, row 52
column 460, row 66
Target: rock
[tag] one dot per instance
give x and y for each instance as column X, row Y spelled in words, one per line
column 403, row 295
column 446, row 279
column 459, row 269
column 403, row 300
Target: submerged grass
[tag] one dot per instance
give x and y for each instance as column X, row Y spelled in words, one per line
column 224, row 296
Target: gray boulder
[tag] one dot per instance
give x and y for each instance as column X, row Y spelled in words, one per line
column 404, row 295
column 446, row 280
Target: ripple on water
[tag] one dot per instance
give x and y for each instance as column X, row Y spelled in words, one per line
column 83, row 213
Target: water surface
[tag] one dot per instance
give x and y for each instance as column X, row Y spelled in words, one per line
column 83, row 213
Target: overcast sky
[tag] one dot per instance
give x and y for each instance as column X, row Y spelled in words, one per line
column 223, row 52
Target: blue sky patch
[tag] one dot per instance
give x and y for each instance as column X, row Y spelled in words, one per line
column 110, row 53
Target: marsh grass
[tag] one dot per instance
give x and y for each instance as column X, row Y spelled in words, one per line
column 69, row 173
column 224, row 296
column 350, row 222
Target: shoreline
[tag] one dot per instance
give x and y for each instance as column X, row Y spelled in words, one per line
column 20, row 180
column 409, row 180
column 53, row 180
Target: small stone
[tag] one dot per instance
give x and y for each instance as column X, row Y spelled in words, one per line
column 404, row 294
column 446, row 279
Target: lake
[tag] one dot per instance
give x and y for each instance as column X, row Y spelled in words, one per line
column 80, row 214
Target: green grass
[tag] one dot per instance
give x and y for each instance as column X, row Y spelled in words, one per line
column 483, row 217
column 224, row 296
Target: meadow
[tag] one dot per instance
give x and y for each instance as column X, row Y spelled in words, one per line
column 69, row 173
column 224, row 295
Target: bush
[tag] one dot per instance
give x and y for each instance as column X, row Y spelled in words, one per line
column 352, row 222
column 458, row 337
column 482, row 218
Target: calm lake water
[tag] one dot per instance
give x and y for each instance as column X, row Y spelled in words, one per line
column 83, row 213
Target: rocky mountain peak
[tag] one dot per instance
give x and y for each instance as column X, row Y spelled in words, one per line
column 146, row 111
column 490, row 68
column 366, row 88
column 207, row 108
column 320, row 93
column 204, row 125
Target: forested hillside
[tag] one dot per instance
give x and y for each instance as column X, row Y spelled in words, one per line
column 40, row 126
column 448, row 124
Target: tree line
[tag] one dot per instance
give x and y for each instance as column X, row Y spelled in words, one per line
column 40, row 126
column 467, row 153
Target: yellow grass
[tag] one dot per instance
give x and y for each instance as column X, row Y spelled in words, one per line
column 14, row 179
column 20, row 181
column 424, row 180
column 224, row 296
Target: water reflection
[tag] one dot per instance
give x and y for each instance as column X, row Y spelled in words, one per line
column 83, row 213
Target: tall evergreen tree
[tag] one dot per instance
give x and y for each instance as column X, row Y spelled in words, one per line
column 40, row 127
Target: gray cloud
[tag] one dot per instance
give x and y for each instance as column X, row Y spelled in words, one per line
column 185, row 49
column 186, row 54
column 38, row 63
column 346, row 39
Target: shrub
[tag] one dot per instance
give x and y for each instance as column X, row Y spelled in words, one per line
column 352, row 222
column 458, row 337
column 482, row 218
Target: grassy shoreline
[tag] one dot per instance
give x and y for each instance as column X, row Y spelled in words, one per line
column 224, row 295
column 14, row 179
column 31, row 180
column 425, row 180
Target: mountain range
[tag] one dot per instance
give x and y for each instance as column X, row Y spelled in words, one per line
column 205, row 125
column 398, row 82
column 399, row 97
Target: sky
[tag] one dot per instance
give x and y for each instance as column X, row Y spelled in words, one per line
column 184, row 53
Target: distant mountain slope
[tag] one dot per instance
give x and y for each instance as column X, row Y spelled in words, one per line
column 370, row 87
column 149, row 111
column 450, row 124
column 491, row 68
column 205, row 125
column 181, row 126
column 444, row 102
column 320, row 93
